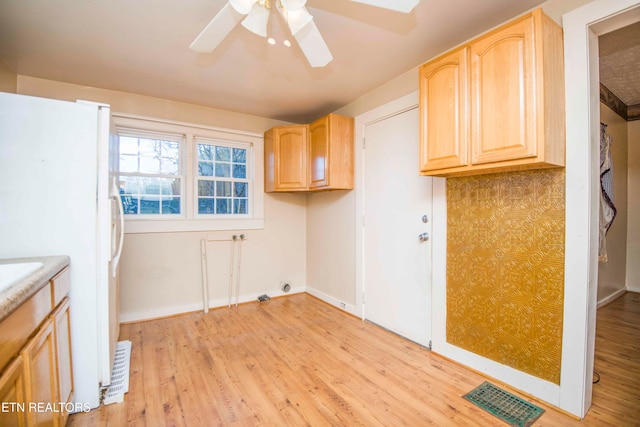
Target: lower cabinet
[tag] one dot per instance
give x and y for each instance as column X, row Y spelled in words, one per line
column 12, row 395
column 36, row 384
column 62, row 330
column 40, row 367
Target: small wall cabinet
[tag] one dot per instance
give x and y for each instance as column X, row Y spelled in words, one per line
column 37, row 365
column 313, row 157
column 496, row 103
column 285, row 157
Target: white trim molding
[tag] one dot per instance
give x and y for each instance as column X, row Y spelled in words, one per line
column 582, row 27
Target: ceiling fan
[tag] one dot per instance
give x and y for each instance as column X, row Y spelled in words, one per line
column 254, row 15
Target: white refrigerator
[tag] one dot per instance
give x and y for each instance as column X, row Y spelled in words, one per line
column 58, row 165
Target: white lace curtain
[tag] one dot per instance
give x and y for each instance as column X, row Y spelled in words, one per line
column 607, row 208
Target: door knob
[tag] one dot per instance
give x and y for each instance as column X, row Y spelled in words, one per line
column 423, row 237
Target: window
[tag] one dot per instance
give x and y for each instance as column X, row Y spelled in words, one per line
column 180, row 177
column 150, row 175
column 223, row 184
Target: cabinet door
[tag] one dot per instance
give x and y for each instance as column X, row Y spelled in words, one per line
column 41, row 376
column 62, row 328
column 290, row 157
column 12, row 396
column 319, row 153
column 503, row 100
column 444, row 104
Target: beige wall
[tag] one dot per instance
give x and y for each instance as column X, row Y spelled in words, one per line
column 8, row 79
column 633, row 208
column 130, row 103
column 161, row 272
column 612, row 274
column 331, row 245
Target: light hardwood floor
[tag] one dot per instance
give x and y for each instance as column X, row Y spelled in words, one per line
column 298, row 361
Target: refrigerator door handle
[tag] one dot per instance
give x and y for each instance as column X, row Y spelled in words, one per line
column 116, row 258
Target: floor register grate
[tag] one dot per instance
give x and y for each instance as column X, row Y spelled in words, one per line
column 504, row 405
column 119, row 374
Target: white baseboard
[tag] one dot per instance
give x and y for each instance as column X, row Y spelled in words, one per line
column 610, row 298
column 631, row 288
column 160, row 312
column 349, row 308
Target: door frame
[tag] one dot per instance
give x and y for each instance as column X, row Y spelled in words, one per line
column 392, row 108
column 582, row 27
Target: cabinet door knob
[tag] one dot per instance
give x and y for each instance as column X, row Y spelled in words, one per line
column 423, row 237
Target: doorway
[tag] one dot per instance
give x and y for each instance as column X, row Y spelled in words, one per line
column 582, row 27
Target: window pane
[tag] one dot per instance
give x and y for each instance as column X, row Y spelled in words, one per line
column 223, row 206
column 149, row 206
column 239, row 171
column 223, row 154
column 128, row 163
column 171, row 207
column 206, row 206
column 239, row 155
column 240, row 189
column 128, row 145
column 150, row 186
column 129, row 185
column 223, row 189
column 149, row 164
column 223, row 170
column 205, row 152
column 240, row 206
column 205, row 169
column 170, row 166
column 129, row 204
column 149, row 147
column 171, row 149
column 170, row 187
column 206, row 188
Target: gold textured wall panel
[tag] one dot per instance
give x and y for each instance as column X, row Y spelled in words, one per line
column 505, row 268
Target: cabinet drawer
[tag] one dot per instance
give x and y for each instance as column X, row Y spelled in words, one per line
column 60, row 286
column 16, row 329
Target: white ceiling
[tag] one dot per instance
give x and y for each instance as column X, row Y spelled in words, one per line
column 620, row 63
column 142, row 46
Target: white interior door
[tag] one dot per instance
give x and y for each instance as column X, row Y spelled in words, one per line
column 397, row 202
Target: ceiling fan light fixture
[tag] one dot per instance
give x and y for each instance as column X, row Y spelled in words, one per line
column 297, row 19
column 293, row 5
column 243, row 6
column 257, row 20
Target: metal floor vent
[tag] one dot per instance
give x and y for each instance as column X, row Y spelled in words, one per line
column 119, row 374
column 504, row 405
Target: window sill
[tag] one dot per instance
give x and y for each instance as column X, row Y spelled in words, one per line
column 184, row 225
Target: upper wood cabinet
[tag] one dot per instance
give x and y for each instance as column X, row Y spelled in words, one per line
column 331, row 153
column 444, row 105
column 285, row 158
column 496, row 103
column 311, row 157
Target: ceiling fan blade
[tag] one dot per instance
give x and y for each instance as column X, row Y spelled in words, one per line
column 217, row 30
column 405, row 6
column 313, row 46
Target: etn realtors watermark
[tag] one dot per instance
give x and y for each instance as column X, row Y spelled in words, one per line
column 57, row 407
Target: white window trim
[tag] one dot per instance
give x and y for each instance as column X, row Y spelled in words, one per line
column 190, row 221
